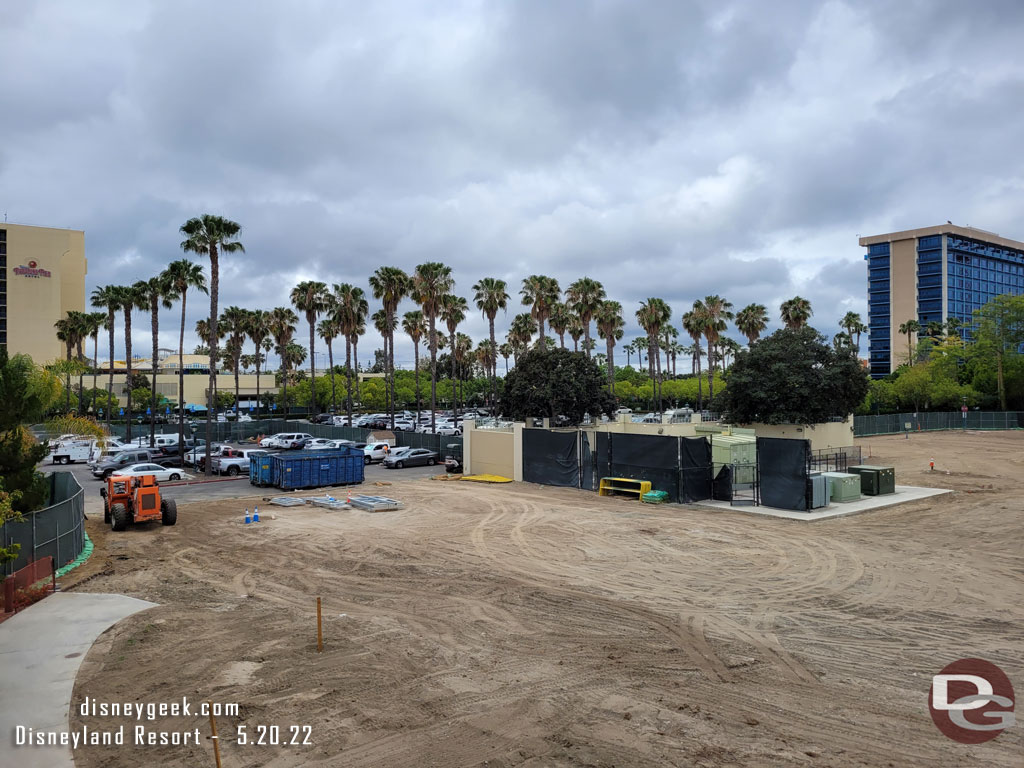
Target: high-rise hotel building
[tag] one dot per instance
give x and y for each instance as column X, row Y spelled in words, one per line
column 42, row 277
column 933, row 274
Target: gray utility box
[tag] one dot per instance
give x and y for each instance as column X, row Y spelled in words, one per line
column 874, row 480
column 843, row 486
column 818, row 490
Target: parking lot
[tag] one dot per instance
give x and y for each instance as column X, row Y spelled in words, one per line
column 229, row 488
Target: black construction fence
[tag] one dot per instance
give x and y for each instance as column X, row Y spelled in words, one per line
column 783, row 466
column 680, row 466
column 56, row 530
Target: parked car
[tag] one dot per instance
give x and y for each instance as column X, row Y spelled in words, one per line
column 159, row 441
column 193, row 457
column 168, row 460
column 77, row 449
column 417, row 457
column 161, row 474
column 375, row 452
column 235, row 461
column 285, row 440
column 404, row 425
column 446, row 428
column 323, row 444
column 321, row 418
column 109, row 465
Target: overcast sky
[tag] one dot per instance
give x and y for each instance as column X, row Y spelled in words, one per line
column 669, row 149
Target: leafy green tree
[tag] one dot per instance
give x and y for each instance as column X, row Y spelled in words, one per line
column 1000, row 333
column 794, row 377
column 553, row 383
column 914, row 386
column 26, row 393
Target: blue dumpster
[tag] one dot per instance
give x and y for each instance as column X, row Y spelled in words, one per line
column 260, row 470
column 315, row 469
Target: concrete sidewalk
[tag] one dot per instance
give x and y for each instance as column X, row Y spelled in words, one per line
column 41, row 649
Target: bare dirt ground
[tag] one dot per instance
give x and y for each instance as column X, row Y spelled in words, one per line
column 514, row 625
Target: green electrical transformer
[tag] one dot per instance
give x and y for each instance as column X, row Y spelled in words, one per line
column 874, row 480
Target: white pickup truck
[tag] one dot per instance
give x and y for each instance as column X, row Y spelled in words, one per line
column 70, row 450
column 234, row 462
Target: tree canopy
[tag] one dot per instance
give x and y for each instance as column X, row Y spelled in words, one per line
column 555, row 382
column 794, row 377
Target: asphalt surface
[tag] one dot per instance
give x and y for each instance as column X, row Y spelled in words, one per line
column 232, row 488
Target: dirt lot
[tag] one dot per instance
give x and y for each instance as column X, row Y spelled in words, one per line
column 518, row 625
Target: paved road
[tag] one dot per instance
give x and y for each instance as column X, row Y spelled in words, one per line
column 234, row 488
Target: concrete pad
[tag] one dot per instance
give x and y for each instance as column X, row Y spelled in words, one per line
column 904, row 494
column 41, row 649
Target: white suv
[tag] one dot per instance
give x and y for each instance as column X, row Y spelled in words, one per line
column 285, row 440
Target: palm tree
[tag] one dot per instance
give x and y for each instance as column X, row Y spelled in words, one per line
column 109, row 298
column 540, row 293
column 183, row 275
column 492, row 295
column 257, row 326
column 729, row 348
column 795, row 312
column 751, row 321
column 416, row 327
column 282, row 329
column 311, row 298
column 953, row 325
column 854, row 327
column 910, row 328
column 693, row 324
column 521, row 332
column 329, row 329
column 66, row 333
column 292, row 357
column 575, row 330
column 453, row 312
column 609, row 326
column 390, row 285
column 584, row 297
column 155, row 292
column 203, row 332
column 234, row 325
column 96, row 321
column 505, row 350
column 350, row 310
column 132, row 297
column 357, row 330
column 487, row 356
column 210, row 236
column 668, row 336
column 460, row 352
column 431, row 281
column 715, row 311
column 559, row 320
column 651, row 316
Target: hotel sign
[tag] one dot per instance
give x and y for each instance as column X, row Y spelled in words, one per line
column 32, row 270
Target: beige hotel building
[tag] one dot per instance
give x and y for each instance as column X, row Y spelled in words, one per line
column 42, row 278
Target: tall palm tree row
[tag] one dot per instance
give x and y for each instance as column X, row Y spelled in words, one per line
column 328, row 330
column 211, row 236
column 108, row 298
column 854, row 326
column 693, row 324
column 132, row 298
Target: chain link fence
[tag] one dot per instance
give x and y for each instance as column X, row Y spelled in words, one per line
column 56, row 531
column 895, row 423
